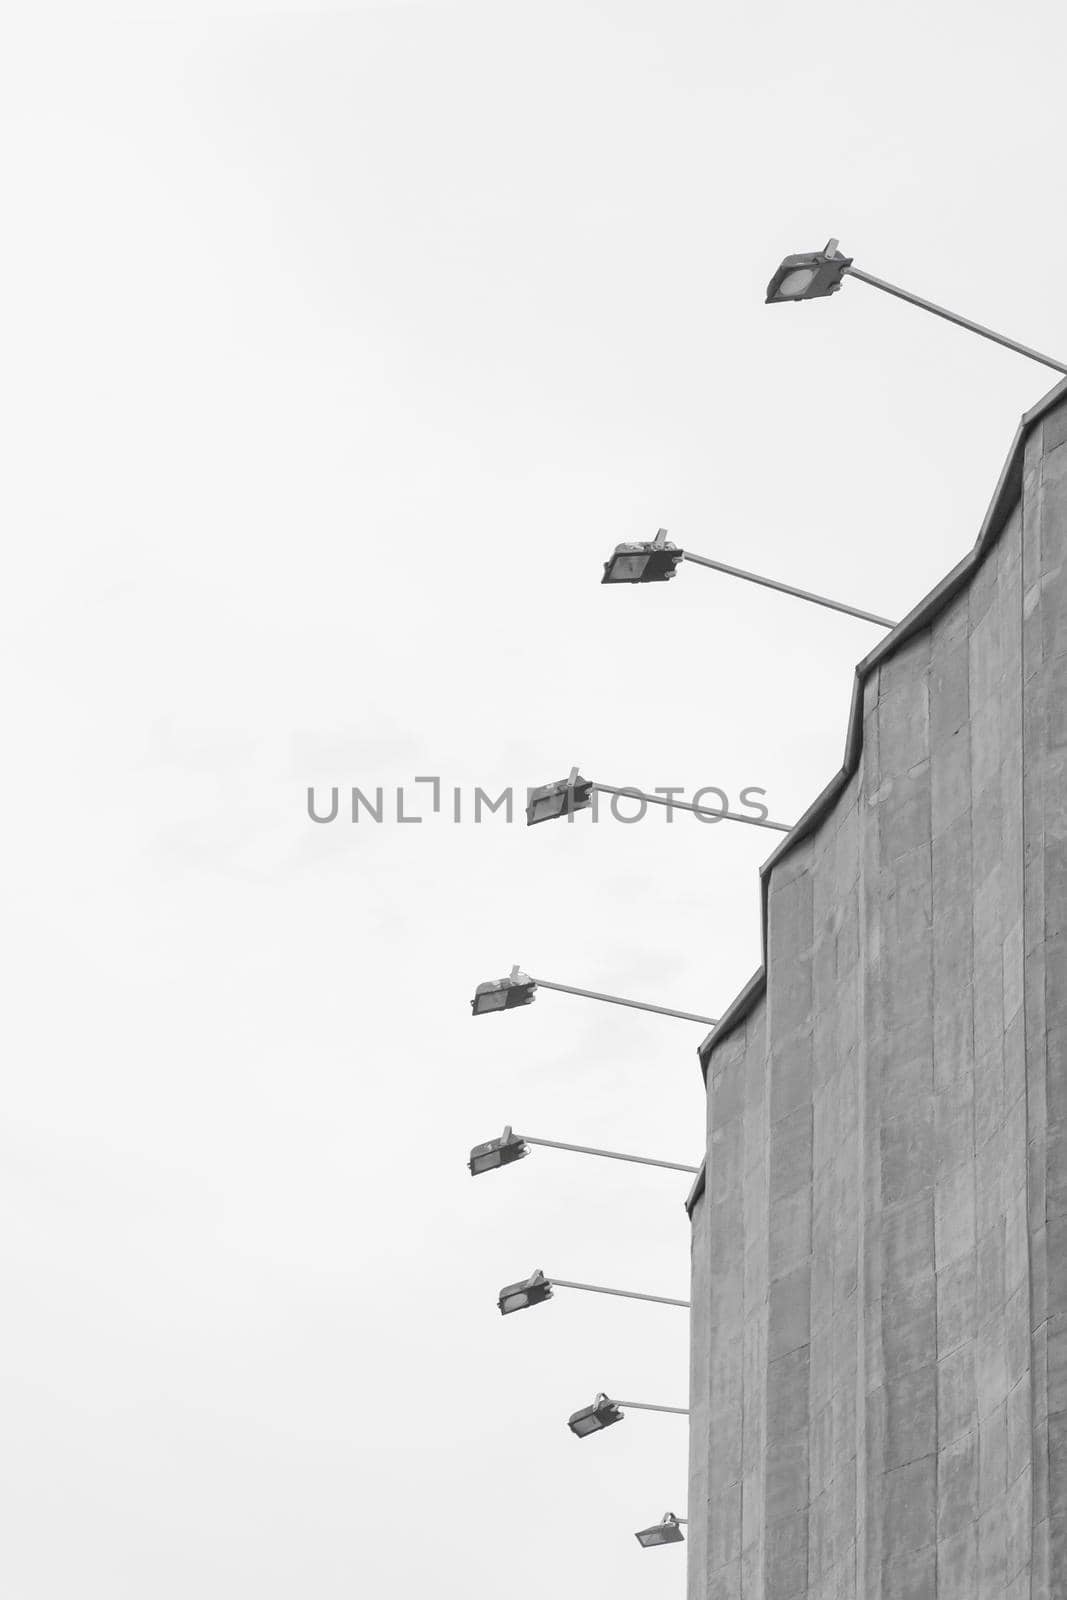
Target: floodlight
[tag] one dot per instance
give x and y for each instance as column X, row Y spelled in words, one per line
column 820, row 272
column 713, row 815
column 497, row 1153
column 766, row 583
column 500, row 994
column 648, row 562
column 532, row 1291
column 513, row 1146
column 669, row 1531
column 809, row 276
column 558, row 799
column 595, row 1418
column 519, row 988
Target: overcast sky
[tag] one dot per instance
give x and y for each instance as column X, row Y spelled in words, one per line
column 342, row 344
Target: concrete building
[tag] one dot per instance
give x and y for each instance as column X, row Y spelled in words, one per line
column 879, row 1283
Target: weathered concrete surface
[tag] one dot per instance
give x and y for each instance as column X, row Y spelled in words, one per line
column 879, row 1354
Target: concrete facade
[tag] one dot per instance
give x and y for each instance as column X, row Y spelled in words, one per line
column 879, row 1282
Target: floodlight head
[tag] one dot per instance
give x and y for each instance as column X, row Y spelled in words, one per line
column 669, row 1531
column 557, row 799
column 532, row 1291
column 650, row 562
column 595, row 1418
column 810, row 276
column 497, row 1153
column 500, row 994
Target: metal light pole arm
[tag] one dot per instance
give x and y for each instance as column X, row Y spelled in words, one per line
column 787, row 588
column 617, row 1000
column 622, row 1294
column 685, row 805
column 640, row 1405
column 952, row 316
column 612, row 1155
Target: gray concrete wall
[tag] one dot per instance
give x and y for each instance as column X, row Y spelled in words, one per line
column 879, row 1353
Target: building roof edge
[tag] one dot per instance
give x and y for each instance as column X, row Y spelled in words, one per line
column 1007, row 493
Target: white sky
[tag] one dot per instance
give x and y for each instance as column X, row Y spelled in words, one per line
column 342, row 343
